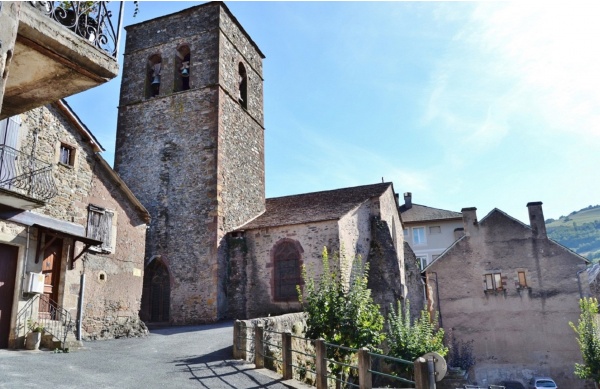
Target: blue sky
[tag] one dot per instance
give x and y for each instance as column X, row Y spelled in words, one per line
column 490, row 105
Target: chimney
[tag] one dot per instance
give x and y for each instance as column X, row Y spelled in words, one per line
column 407, row 200
column 470, row 220
column 536, row 219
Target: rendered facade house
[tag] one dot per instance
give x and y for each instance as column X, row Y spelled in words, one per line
column 429, row 231
column 513, row 291
column 267, row 254
column 69, row 227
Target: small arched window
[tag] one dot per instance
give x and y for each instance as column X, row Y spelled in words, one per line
column 287, row 272
column 153, row 71
column 243, row 85
column 182, row 68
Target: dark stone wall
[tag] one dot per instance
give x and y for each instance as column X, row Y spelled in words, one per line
column 414, row 285
column 194, row 158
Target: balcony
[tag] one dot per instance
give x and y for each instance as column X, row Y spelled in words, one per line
column 61, row 48
column 25, row 182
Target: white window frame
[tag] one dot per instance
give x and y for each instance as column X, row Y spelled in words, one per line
column 416, row 235
column 423, row 262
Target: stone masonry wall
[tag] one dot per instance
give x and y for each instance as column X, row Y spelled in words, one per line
column 114, row 281
column 42, row 132
column 355, row 236
column 194, row 158
column 259, row 272
column 518, row 331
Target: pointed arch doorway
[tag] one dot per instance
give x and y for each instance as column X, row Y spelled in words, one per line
column 156, row 294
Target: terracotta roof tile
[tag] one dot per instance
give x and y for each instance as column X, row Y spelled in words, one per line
column 316, row 206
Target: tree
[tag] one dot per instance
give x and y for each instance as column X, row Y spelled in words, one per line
column 408, row 339
column 588, row 338
column 342, row 314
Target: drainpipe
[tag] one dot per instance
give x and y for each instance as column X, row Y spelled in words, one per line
column 80, row 305
column 25, row 263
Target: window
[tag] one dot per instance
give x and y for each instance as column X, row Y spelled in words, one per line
column 435, row 230
column 182, row 68
column 153, row 75
column 418, row 235
column 67, row 155
column 100, row 227
column 493, row 281
column 405, row 233
column 287, row 273
column 522, row 280
column 243, row 85
column 422, row 261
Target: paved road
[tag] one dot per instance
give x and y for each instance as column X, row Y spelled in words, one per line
column 176, row 357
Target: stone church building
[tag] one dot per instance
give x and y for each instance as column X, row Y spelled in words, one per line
column 190, row 145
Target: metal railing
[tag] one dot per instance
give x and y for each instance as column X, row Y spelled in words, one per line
column 255, row 348
column 91, row 20
column 26, row 175
column 55, row 320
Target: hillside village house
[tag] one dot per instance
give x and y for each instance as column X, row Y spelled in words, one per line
column 64, row 214
column 429, row 231
column 512, row 290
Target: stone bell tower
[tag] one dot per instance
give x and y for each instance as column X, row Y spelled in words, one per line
column 190, row 145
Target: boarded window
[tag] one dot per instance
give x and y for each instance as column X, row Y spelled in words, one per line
column 522, row 280
column 435, row 230
column 287, row 271
column 100, row 227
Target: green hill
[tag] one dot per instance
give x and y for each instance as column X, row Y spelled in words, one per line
column 579, row 231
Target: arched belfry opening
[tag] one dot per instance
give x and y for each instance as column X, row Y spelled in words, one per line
column 182, row 68
column 153, row 70
column 156, row 293
column 243, row 85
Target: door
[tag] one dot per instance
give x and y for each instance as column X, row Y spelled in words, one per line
column 8, row 270
column 156, row 293
column 51, row 271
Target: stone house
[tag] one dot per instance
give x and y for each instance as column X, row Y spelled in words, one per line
column 429, row 231
column 72, row 234
column 512, row 291
column 267, row 254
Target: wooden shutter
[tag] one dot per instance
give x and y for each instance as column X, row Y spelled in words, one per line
column 100, row 226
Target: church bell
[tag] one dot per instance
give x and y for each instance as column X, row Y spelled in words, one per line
column 156, row 80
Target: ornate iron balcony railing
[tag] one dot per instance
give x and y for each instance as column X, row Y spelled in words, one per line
column 26, row 175
column 91, row 20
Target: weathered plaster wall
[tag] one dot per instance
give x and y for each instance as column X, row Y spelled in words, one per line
column 355, row 236
column 517, row 332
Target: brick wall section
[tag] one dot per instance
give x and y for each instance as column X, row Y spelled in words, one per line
column 202, row 170
column 517, row 332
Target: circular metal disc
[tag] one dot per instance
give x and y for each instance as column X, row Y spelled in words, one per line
column 439, row 364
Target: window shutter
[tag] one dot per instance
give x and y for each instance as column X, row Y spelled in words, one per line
column 100, row 227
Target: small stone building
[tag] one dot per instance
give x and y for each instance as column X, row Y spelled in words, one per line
column 65, row 214
column 267, row 254
column 512, row 291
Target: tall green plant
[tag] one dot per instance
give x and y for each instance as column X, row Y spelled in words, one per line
column 342, row 314
column 409, row 339
column 588, row 338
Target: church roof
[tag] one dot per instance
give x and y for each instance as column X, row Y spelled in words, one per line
column 316, row 206
column 422, row 213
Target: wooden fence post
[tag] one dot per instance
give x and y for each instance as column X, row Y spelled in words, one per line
column 259, row 347
column 421, row 374
column 286, row 353
column 365, row 380
column 321, row 363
